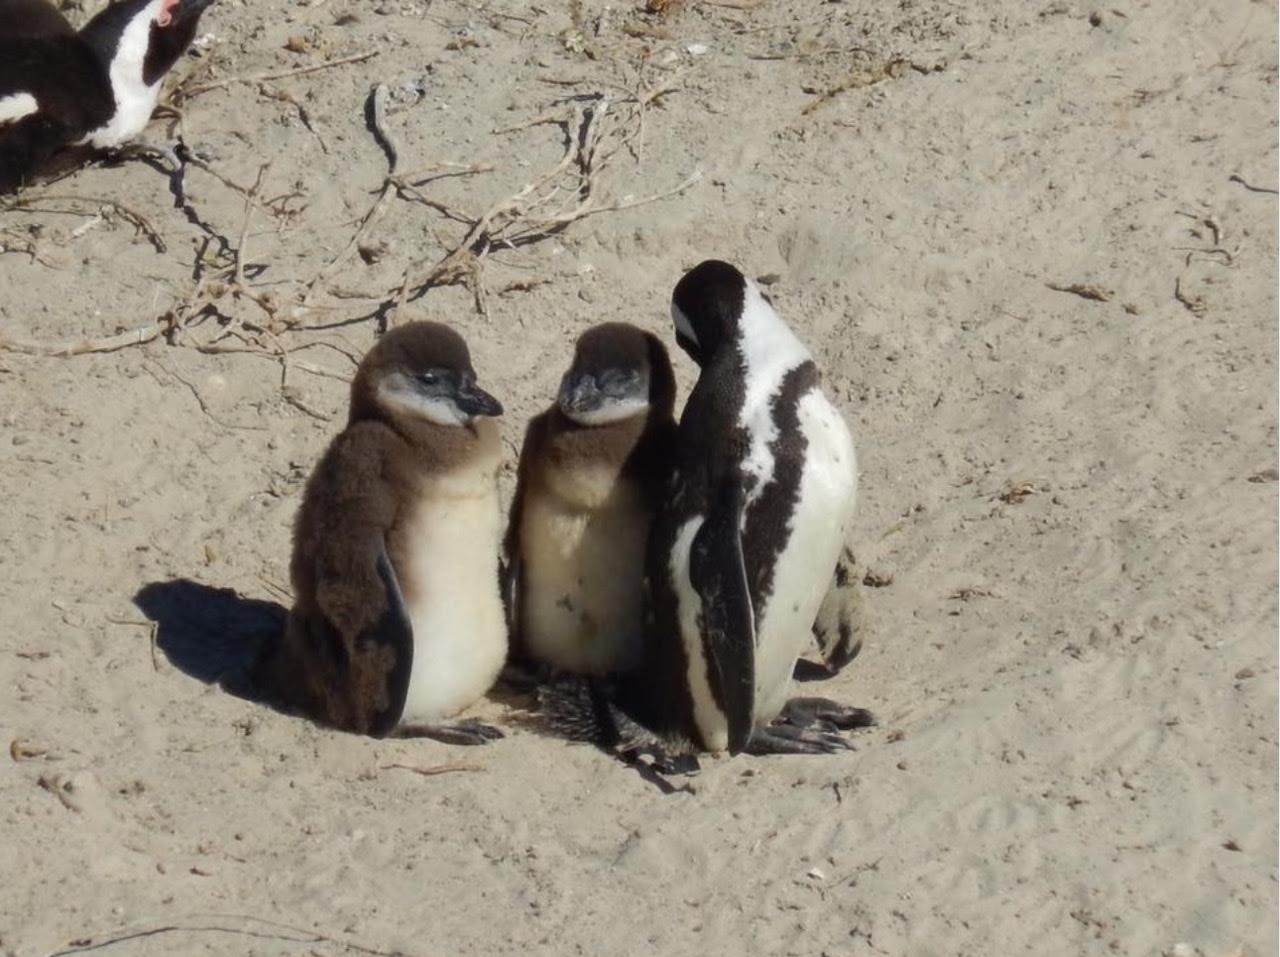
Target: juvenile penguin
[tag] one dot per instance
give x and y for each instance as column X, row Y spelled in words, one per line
column 592, row 472
column 398, row 621
column 743, row 550
column 94, row 88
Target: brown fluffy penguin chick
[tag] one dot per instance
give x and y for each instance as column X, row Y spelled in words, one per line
column 592, row 470
column 398, row 621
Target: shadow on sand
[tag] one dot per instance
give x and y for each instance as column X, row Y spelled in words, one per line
column 212, row 634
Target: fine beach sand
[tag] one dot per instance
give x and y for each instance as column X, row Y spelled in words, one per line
column 1033, row 248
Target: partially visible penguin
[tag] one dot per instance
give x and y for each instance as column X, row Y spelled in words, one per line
column 838, row 629
column 398, row 621
column 743, row 552
column 592, row 472
column 95, row 88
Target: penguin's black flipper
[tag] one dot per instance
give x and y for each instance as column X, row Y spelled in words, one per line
column 392, row 631
column 718, row 573
column 357, row 683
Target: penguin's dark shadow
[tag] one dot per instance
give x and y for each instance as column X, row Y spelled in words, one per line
column 212, row 634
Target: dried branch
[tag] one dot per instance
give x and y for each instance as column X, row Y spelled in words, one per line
column 530, row 214
column 272, row 931
column 188, row 94
column 79, row 347
column 133, row 217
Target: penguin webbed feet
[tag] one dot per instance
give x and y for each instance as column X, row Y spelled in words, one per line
column 660, row 759
column 809, row 726
column 167, row 156
column 655, row 764
column 788, row 739
column 806, row 670
column 172, row 159
column 824, row 714
column 468, row 732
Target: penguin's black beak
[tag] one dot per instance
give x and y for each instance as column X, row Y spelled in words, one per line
column 473, row 400
column 189, row 9
column 689, row 346
column 579, row 393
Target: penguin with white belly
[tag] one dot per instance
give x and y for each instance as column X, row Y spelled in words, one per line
column 593, row 470
column 95, row 88
column 743, row 551
column 398, row 622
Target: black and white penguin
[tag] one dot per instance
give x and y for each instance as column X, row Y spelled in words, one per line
column 398, row 621
column 743, row 551
column 95, row 88
column 593, row 469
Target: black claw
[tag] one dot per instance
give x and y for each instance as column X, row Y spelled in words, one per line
column 788, row 739
column 469, row 732
column 486, row 731
column 806, row 670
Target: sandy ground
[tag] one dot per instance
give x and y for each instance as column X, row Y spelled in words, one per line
column 1033, row 246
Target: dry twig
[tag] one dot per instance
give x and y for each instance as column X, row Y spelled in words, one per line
column 434, row 769
column 139, row 222
column 79, row 347
column 187, row 94
column 265, row 930
column 569, row 191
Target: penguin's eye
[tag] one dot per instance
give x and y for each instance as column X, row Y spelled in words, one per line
column 619, row 381
column 429, row 378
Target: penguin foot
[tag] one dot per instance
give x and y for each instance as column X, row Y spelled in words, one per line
column 786, row 739
column 806, row 670
column 660, row 760
column 825, row 714
column 144, row 151
column 468, row 732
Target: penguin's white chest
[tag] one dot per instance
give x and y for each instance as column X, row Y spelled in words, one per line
column 15, row 106
column 445, row 554
column 827, row 494
column 582, row 577
column 135, row 100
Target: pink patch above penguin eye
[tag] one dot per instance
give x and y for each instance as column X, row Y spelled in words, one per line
column 165, row 16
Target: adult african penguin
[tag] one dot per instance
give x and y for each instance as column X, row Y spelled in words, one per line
column 593, row 469
column 95, row 88
column 743, row 550
column 398, row 622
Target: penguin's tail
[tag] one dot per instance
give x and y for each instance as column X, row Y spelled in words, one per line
column 586, row 709
column 583, row 709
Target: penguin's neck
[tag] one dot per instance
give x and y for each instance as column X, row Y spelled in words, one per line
column 767, row 348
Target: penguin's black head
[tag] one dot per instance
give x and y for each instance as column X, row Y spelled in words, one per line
column 420, row 372
column 707, row 307
column 618, row 372
column 148, row 35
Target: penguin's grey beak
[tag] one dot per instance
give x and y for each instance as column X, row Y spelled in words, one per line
column 579, row 394
column 473, row 400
